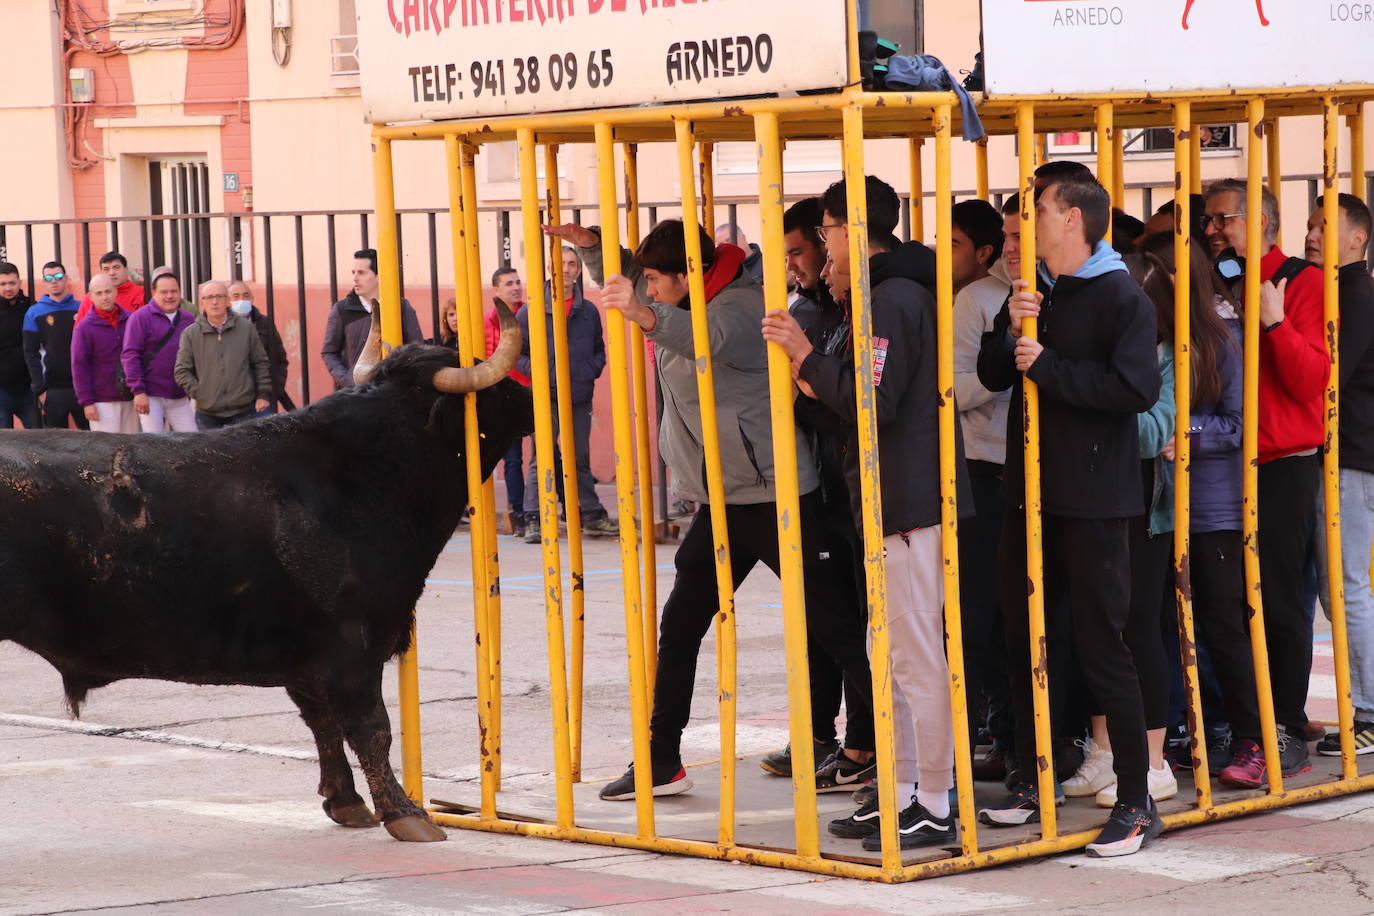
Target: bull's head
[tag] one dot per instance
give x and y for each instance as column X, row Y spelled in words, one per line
column 452, row 380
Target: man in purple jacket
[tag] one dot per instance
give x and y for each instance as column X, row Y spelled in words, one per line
column 149, row 357
column 97, row 343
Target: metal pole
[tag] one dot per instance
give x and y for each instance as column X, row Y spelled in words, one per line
column 625, row 486
column 1250, row 444
column 1355, row 122
column 408, row 672
column 1183, row 446
column 918, row 196
column 1035, row 600
column 981, row 164
column 726, row 690
column 780, row 392
column 1104, row 134
column 708, row 187
column 302, row 313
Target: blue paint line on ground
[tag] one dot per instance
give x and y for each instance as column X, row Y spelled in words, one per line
column 506, row 580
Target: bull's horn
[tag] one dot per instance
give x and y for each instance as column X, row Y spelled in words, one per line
column 461, row 381
column 372, row 350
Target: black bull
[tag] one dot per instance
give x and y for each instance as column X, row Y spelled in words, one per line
column 287, row 552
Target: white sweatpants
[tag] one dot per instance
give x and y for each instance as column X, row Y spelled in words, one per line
column 164, row 412
column 923, row 724
column 116, row 417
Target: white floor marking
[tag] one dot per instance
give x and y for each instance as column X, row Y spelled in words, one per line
column 1185, row 861
column 269, row 814
column 156, row 737
column 82, row 764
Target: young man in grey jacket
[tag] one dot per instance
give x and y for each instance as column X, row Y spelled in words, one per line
column 655, row 296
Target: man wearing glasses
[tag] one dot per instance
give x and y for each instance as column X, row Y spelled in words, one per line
column 1293, row 371
column 48, row 350
column 222, row 363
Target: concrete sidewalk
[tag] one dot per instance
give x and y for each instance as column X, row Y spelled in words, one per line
column 178, row 799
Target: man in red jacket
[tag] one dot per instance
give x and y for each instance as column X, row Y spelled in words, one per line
column 128, row 294
column 509, row 289
column 1293, row 371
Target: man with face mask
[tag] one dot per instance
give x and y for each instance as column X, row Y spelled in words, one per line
column 241, row 304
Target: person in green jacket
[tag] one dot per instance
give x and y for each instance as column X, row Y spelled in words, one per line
column 222, row 363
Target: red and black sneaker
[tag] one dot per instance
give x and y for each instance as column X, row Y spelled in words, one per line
column 668, row 780
column 1128, row 829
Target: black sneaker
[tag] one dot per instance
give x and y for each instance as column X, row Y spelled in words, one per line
column 840, row 774
column 1293, row 755
column 669, row 780
column 1128, row 829
column 866, row 794
column 917, row 827
column 1022, row 806
column 779, row 763
column 860, row 824
column 1219, row 752
column 1330, row 746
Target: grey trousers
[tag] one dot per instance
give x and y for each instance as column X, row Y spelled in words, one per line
column 587, row 500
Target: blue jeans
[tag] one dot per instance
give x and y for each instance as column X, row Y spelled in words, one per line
column 1357, row 534
column 21, row 404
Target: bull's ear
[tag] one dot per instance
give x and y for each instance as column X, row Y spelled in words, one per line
column 372, row 350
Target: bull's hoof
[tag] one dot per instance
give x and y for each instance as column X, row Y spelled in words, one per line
column 415, row 828
column 356, row 814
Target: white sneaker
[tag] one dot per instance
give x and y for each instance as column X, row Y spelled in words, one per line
column 1160, row 782
column 1094, row 773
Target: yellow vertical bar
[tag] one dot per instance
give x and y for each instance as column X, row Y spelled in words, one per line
column 407, row 669
column 572, row 506
column 491, row 571
column 715, row 484
column 984, row 191
column 708, row 187
column 1274, row 168
column 1042, row 149
column 625, row 486
column 472, row 445
column 541, row 385
column 648, row 536
column 918, row 194
column 852, row 12
column 870, row 482
column 1195, row 161
column 949, row 507
column 1183, row 446
column 1035, row 600
column 781, row 395
column 1335, row 573
column 1104, row 132
column 1355, row 121
column 1118, row 186
column 1250, row 443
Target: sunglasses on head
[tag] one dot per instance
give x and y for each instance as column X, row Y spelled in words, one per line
column 53, row 278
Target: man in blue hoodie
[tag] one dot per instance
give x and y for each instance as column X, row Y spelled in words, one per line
column 1095, row 367
column 48, row 350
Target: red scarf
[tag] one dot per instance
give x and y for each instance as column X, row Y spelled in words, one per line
column 112, row 316
column 724, row 270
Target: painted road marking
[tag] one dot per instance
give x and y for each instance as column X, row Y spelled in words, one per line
column 83, row 764
column 268, row 814
column 1185, row 861
column 156, row 737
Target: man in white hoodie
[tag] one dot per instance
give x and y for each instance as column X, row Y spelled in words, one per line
column 982, row 281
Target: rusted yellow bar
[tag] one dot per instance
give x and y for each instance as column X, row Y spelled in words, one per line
column 981, row 163
column 918, row 195
column 1250, row 443
column 726, row 689
column 1105, row 133
column 648, row 547
column 490, row 582
column 541, row 386
column 870, row 483
column 1195, row 161
column 572, row 506
column 1042, row 149
column 708, row 187
column 407, row 671
column 472, row 448
column 1118, row 187
column 1359, row 186
column 949, row 502
column 1275, row 165
column 625, row 486
column 1183, row 446
column 1331, row 482
column 781, row 394
column 852, row 46
column 1035, row 559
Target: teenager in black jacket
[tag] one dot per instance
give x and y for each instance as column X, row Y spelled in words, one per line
column 1095, row 366
column 16, row 397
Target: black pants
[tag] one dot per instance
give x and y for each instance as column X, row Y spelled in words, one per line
column 1151, row 562
column 827, row 680
column 206, row 421
column 833, row 619
column 985, row 655
column 1221, row 620
column 60, row 404
column 18, row 404
column 1088, row 561
column 1287, row 512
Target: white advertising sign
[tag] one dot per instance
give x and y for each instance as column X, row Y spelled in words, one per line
column 1078, row 46
column 425, row 60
